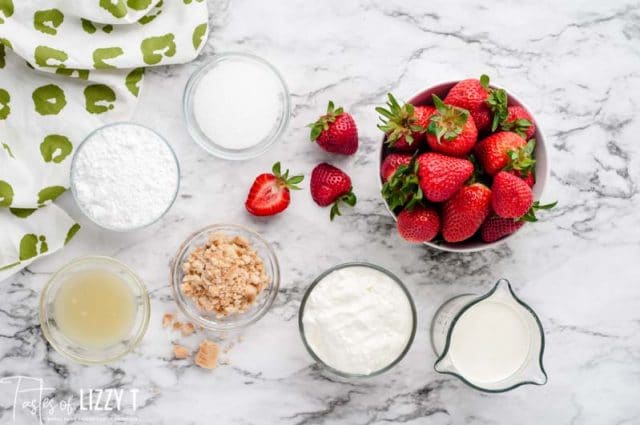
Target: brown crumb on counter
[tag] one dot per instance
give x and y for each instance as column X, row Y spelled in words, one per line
column 224, row 276
column 187, row 329
column 167, row 319
column 180, row 352
column 207, row 355
column 177, row 325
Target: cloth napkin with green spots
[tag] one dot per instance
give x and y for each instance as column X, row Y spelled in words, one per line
column 66, row 68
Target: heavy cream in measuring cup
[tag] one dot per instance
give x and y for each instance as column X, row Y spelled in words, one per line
column 489, row 342
column 493, row 342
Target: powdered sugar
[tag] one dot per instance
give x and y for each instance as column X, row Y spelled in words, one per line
column 124, row 176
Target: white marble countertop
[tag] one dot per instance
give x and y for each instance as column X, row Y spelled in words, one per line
column 576, row 64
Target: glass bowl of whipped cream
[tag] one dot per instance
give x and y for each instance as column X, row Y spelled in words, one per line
column 357, row 320
column 236, row 106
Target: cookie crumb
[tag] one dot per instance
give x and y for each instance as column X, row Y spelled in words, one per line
column 207, row 355
column 177, row 325
column 180, row 352
column 167, row 319
column 224, row 276
column 187, row 329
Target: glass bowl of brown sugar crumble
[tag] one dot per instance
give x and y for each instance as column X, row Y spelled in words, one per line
column 225, row 277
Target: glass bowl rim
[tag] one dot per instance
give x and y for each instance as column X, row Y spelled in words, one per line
column 191, row 312
column 72, row 179
column 146, row 308
column 209, row 145
column 365, row 264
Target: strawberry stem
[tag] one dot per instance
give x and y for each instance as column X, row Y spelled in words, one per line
column 322, row 124
column 284, row 179
column 449, row 122
column 348, row 198
column 398, row 121
column 530, row 216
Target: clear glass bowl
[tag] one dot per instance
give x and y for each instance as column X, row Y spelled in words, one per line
column 69, row 348
column 263, row 301
column 210, row 145
column 103, row 225
column 330, row 369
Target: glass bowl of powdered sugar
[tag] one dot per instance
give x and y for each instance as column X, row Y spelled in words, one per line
column 236, row 106
column 124, row 176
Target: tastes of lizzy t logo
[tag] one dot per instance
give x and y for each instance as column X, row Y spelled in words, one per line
column 25, row 397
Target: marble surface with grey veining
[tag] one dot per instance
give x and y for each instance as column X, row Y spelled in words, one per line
column 577, row 66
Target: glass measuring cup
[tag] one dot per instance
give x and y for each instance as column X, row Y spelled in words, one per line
column 493, row 342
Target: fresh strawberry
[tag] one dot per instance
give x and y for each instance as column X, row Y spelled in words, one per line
column 451, row 130
column 487, row 106
column 496, row 227
column 402, row 190
column 463, row 214
column 519, row 121
column 421, row 224
column 493, row 152
column 467, row 94
column 512, row 197
column 270, row 194
column 442, row 176
column 405, row 124
column 528, row 176
column 330, row 185
column 335, row 131
column 391, row 164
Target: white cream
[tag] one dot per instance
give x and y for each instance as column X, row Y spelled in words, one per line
column 490, row 341
column 357, row 320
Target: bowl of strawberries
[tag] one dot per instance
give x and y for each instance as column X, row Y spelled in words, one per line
column 463, row 165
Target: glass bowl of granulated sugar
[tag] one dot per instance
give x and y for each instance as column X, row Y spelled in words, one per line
column 124, row 176
column 236, row 106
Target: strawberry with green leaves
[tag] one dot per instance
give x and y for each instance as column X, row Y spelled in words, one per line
column 498, row 150
column 487, row 105
column 404, row 124
column 441, row 176
column 336, row 131
column 270, row 192
column 464, row 213
column 330, row 185
column 520, row 122
column 451, row 130
column 402, row 190
column 391, row 164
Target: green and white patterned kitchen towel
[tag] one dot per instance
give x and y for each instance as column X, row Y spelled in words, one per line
column 67, row 67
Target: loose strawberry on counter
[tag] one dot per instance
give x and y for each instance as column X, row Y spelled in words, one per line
column 442, row 176
column 451, row 130
column 330, row 185
column 419, row 225
column 270, row 192
column 404, row 125
column 463, row 214
column 391, row 164
column 335, row 131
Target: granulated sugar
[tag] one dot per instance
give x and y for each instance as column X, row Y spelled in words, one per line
column 124, row 176
column 238, row 103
